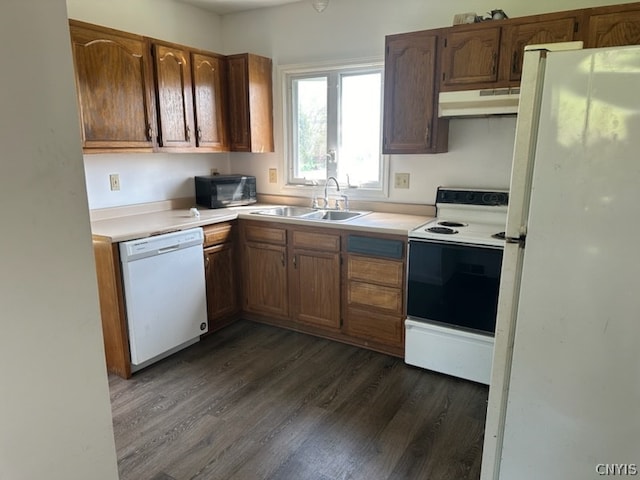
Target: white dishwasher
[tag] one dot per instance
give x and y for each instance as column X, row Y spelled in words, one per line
column 165, row 296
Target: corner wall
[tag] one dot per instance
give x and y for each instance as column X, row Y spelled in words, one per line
column 55, row 414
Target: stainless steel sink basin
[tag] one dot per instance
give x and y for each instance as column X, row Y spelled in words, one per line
column 287, row 211
column 307, row 213
column 333, row 215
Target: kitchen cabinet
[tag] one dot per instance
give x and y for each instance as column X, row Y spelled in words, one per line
column 374, row 272
column 112, row 310
column 614, row 26
column 190, row 99
column 489, row 54
column 250, row 93
column 517, row 36
column 174, row 101
column 264, row 269
column 360, row 301
column 315, row 278
column 139, row 94
column 410, row 122
column 114, row 82
column 209, row 85
column 470, row 55
column 222, row 275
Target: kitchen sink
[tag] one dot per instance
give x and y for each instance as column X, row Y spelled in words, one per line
column 307, row 213
column 287, row 211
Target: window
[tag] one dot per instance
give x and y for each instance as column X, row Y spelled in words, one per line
column 334, row 121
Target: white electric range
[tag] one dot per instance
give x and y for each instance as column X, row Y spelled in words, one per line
column 453, row 281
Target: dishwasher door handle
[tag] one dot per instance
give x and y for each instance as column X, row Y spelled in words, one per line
column 170, row 248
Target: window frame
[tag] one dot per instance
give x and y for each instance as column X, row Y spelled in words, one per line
column 290, row 72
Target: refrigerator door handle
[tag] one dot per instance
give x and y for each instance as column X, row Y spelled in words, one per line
column 519, row 240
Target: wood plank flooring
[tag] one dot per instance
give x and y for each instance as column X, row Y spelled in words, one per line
column 255, row 402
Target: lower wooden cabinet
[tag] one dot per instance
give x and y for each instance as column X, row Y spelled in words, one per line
column 264, row 270
column 326, row 282
column 222, row 275
column 315, row 279
column 374, row 291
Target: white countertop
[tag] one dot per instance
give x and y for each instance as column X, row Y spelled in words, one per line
column 130, row 227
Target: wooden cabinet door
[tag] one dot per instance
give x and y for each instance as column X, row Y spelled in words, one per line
column 115, row 88
column 410, row 123
column 174, row 100
column 315, row 288
column 222, row 283
column 250, row 93
column 315, row 277
column 516, row 37
column 609, row 28
column 238, row 74
column 265, row 279
column 470, row 57
column 208, row 100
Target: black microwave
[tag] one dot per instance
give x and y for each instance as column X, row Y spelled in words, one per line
column 218, row 191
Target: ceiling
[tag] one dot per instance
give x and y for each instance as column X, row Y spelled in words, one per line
column 222, row 7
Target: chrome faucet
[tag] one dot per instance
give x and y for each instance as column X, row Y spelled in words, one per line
column 326, row 185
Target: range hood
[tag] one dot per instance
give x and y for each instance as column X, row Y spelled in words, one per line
column 478, row 103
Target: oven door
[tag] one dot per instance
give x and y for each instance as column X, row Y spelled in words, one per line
column 454, row 285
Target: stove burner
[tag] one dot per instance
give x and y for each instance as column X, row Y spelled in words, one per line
column 499, row 235
column 444, row 230
column 452, row 224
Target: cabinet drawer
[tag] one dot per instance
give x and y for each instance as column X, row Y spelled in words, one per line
column 375, row 270
column 217, row 233
column 379, row 247
column 376, row 296
column 316, row 241
column 256, row 233
column 387, row 329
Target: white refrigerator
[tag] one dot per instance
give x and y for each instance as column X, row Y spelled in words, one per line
column 564, row 399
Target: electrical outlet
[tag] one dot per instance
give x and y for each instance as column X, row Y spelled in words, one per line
column 214, row 171
column 401, row 180
column 114, row 181
column 273, row 175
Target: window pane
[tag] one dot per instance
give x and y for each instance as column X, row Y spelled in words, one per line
column 360, row 111
column 311, row 128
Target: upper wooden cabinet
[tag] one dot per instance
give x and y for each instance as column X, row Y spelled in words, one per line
column 490, row 54
column 142, row 94
column 250, row 90
column 209, row 85
column 518, row 35
column 172, row 67
column 114, row 84
column 614, row 26
column 470, row 55
column 410, row 123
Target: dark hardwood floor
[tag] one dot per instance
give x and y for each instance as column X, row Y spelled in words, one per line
column 257, row 402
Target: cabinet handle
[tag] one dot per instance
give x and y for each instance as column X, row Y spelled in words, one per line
column 282, row 260
column 295, row 261
column 206, row 262
column 149, row 132
column 188, row 134
column 427, row 134
column 514, row 62
column 199, row 133
column 495, row 63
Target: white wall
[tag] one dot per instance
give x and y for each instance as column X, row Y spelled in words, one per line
column 159, row 176
column 55, row 415
column 479, row 149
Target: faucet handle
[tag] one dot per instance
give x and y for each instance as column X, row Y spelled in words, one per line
column 342, row 203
